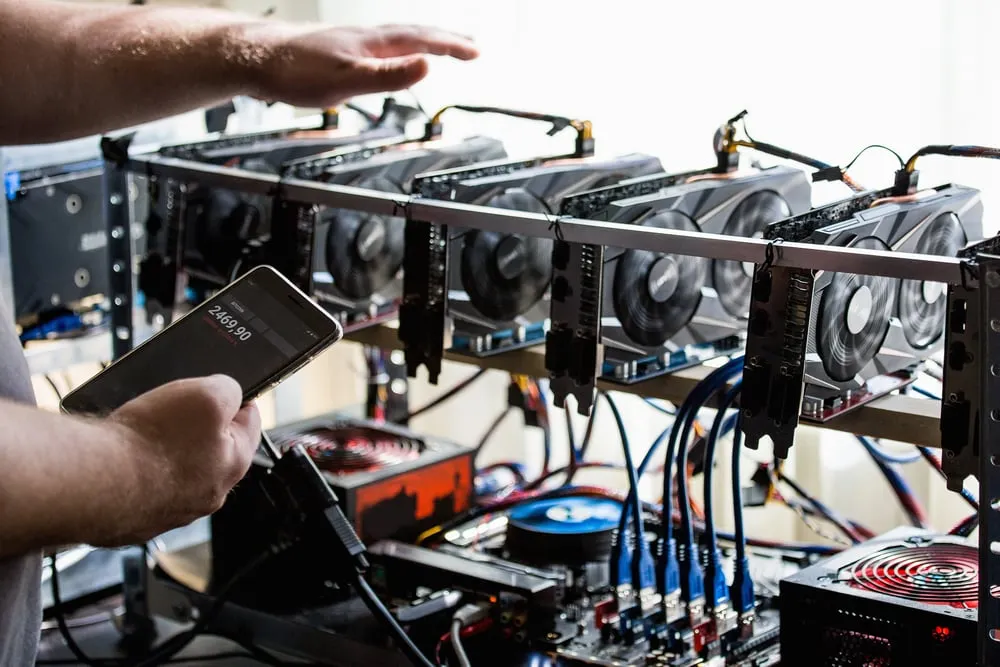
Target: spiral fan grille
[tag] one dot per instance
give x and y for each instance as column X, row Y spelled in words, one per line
column 346, row 450
column 505, row 274
column 946, row 574
column 364, row 252
column 854, row 318
column 221, row 221
column 922, row 304
column 656, row 294
column 749, row 219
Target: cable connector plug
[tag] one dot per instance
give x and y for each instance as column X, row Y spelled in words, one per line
column 832, row 173
column 644, row 576
column 671, row 570
column 305, row 489
column 905, row 182
column 742, row 590
column 717, row 587
column 621, row 565
column 471, row 614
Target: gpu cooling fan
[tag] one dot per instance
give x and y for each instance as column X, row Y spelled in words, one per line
column 867, row 333
column 660, row 311
column 358, row 255
column 498, row 283
column 908, row 597
column 220, row 224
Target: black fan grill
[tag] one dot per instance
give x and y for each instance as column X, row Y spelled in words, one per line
column 505, row 274
column 854, row 318
column 751, row 217
column 222, row 221
column 364, row 252
column 922, row 303
column 350, row 449
column 655, row 294
column 943, row 573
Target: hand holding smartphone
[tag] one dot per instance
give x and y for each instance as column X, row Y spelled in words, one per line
column 258, row 330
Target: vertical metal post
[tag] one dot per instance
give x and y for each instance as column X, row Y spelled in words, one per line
column 989, row 462
column 119, row 228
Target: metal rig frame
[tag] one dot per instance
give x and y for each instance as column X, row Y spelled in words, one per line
column 765, row 254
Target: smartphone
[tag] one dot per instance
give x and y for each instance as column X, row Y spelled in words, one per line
column 258, row 330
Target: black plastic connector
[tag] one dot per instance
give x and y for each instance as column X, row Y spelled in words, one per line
column 905, row 183
column 433, row 131
column 317, row 506
column 828, row 174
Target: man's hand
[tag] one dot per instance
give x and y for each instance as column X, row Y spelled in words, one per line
column 188, row 442
column 313, row 66
column 110, row 66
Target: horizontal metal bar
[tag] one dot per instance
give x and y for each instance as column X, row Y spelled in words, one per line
column 207, row 174
column 800, row 255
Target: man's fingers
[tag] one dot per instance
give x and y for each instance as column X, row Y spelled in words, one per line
column 393, row 41
column 375, row 75
column 246, row 427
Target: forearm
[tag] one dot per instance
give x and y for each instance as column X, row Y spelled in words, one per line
column 63, row 480
column 68, row 70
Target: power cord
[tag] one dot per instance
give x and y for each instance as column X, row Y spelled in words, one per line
column 378, row 610
column 445, row 396
column 466, row 616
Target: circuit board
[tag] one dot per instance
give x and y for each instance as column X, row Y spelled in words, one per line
column 591, row 648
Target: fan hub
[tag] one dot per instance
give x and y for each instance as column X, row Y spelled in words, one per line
column 370, row 239
column 661, row 281
column 510, row 259
column 931, row 291
column 859, row 309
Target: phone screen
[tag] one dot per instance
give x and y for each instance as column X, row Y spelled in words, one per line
column 257, row 330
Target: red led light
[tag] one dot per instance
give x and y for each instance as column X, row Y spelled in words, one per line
column 941, row 633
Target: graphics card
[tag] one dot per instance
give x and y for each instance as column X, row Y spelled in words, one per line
column 663, row 312
column 358, row 256
column 906, row 598
column 867, row 333
column 212, row 234
column 498, row 283
column 391, row 483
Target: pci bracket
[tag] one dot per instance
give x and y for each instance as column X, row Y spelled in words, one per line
column 777, row 331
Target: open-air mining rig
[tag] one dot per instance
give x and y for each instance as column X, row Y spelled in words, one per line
column 625, row 272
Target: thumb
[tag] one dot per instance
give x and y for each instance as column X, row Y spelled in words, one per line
column 376, row 75
column 225, row 395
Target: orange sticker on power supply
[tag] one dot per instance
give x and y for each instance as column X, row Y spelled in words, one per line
column 424, row 497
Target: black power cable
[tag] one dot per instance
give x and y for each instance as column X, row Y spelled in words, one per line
column 445, row 396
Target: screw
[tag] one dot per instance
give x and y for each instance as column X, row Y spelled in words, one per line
column 115, row 199
column 995, row 324
column 993, row 278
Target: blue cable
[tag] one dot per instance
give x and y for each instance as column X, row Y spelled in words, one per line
column 896, row 481
column 656, row 406
column 924, row 392
column 742, row 590
column 688, row 569
column 643, row 567
column 889, row 457
column 716, row 576
column 692, row 581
